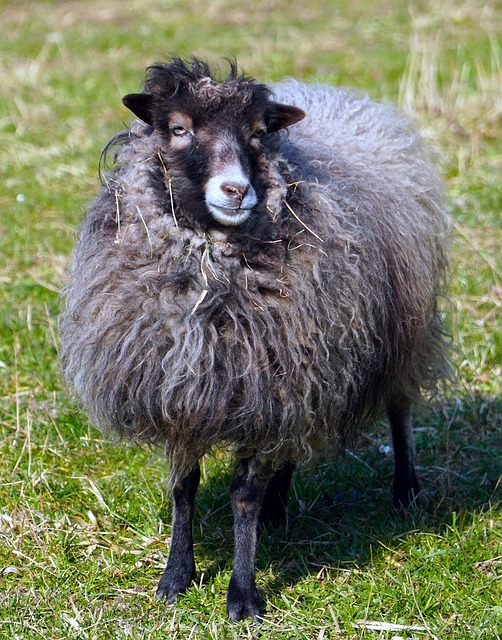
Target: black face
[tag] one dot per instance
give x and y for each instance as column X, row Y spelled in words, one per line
column 215, row 142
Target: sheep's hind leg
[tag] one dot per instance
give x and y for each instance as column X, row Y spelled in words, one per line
column 246, row 496
column 274, row 506
column 180, row 568
column 405, row 487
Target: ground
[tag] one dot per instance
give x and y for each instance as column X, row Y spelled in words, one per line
column 84, row 523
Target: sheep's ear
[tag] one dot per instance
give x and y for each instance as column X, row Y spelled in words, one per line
column 281, row 116
column 141, row 105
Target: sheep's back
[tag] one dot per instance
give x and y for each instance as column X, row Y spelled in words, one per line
column 365, row 166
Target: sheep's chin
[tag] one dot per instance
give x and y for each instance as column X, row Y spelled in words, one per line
column 229, row 217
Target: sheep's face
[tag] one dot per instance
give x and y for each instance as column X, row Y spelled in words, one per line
column 215, row 162
column 216, row 138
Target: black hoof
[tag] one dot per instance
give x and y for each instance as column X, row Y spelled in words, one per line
column 174, row 582
column 405, row 496
column 242, row 603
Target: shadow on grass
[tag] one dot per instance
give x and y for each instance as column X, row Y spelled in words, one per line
column 339, row 511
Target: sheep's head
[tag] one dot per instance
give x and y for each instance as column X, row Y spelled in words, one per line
column 216, row 135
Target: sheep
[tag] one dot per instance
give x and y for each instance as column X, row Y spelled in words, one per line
column 258, row 277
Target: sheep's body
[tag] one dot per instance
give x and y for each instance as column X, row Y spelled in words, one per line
column 274, row 337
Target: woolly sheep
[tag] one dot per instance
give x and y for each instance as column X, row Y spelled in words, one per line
column 238, row 286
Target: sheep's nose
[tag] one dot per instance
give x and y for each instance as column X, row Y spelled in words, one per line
column 235, row 190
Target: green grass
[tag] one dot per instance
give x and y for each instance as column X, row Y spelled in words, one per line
column 84, row 524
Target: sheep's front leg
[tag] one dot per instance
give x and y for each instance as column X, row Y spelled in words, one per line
column 246, row 496
column 180, row 568
column 405, row 488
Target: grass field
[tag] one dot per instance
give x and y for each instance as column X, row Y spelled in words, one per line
column 84, row 524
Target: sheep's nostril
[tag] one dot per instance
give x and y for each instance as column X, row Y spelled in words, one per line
column 235, row 190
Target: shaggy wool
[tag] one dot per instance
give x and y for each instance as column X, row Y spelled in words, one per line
column 280, row 336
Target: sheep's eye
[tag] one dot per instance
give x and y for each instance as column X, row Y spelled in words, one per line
column 177, row 130
column 259, row 133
